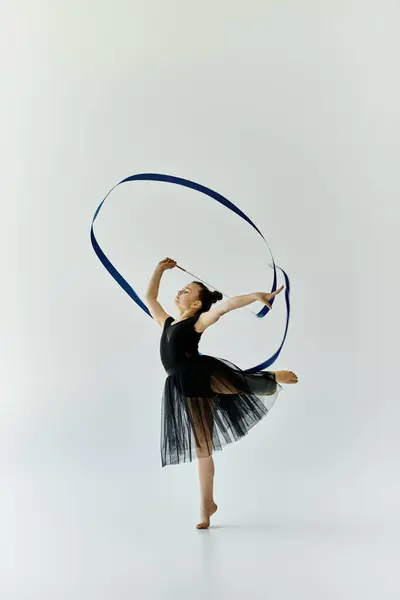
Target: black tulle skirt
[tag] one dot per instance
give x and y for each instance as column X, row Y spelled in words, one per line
column 208, row 403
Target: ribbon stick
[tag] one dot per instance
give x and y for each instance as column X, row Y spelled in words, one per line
column 213, row 287
column 225, row 202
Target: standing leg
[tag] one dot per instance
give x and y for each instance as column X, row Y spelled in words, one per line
column 201, row 415
column 206, row 479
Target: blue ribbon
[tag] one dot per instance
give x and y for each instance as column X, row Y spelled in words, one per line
column 208, row 192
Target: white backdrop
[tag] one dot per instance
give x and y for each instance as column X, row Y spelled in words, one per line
column 290, row 109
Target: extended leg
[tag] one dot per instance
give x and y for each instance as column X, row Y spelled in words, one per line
column 261, row 384
column 286, row 377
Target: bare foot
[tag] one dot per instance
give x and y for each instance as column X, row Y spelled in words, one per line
column 206, row 513
column 286, row 377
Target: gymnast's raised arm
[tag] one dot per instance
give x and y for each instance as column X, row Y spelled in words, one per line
column 155, row 308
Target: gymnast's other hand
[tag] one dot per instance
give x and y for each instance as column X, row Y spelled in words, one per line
column 167, row 263
column 266, row 297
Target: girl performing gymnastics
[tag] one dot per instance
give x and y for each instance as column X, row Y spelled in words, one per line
column 207, row 402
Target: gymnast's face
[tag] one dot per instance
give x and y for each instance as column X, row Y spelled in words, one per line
column 188, row 298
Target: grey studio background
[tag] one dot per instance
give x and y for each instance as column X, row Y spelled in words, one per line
column 290, row 109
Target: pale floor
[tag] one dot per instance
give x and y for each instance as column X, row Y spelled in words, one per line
column 66, row 537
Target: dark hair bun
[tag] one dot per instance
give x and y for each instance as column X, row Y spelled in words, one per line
column 216, row 296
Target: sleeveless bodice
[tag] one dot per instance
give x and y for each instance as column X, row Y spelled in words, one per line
column 179, row 343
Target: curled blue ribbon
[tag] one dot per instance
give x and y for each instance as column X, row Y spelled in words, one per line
column 228, row 204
